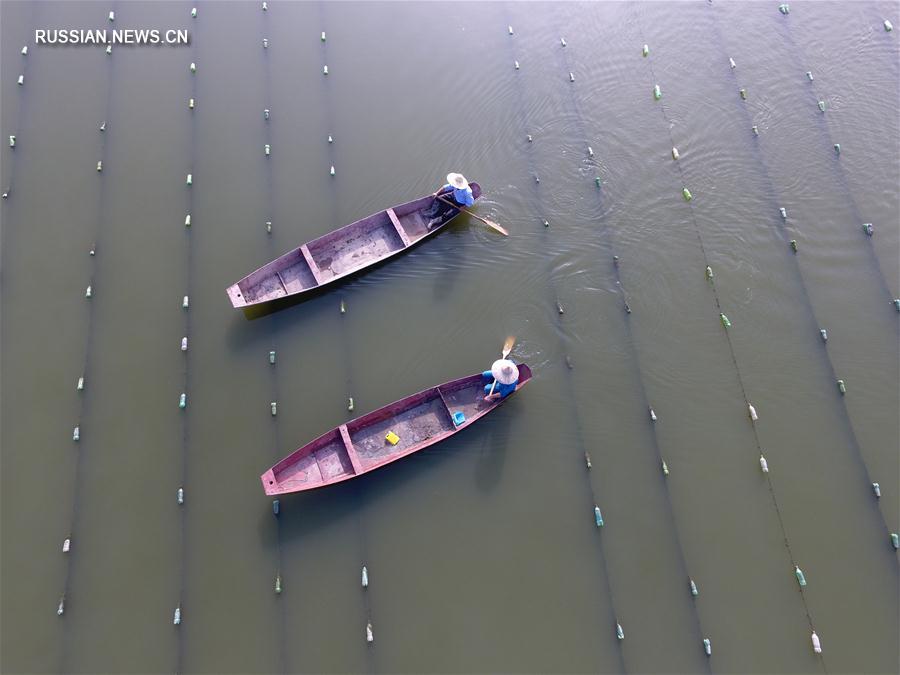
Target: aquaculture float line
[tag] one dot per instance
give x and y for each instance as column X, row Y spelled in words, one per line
column 606, row 239
column 271, row 361
column 592, row 503
column 69, row 545
column 726, row 324
column 781, row 231
column 891, row 298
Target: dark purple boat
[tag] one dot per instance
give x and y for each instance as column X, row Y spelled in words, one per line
column 342, row 252
column 385, row 435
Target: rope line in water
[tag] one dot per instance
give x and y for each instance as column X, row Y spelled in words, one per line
column 279, row 576
column 604, row 234
column 839, row 172
column 780, row 230
column 728, row 339
column 538, row 207
column 183, row 486
column 86, row 383
column 358, row 488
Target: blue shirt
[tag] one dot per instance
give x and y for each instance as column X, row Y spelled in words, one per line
column 463, row 197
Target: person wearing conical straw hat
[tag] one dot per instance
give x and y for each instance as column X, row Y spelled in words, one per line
column 461, row 193
column 506, row 375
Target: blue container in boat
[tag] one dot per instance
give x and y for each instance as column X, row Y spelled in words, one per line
column 459, row 417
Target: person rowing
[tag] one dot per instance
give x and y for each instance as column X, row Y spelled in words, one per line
column 501, row 380
column 457, row 188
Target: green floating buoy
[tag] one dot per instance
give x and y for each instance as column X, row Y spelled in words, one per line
column 597, row 181
column 842, row 387
column 694, row 590
column 725, row 322
column 646, row 50
column 784, row 9
column 837, row 148
column 867, row 228
column 277, row 584
column 821, row 105
column 665, row 468
column 686, row 194
column 350, row 404
column 793, row 245
column 709, row 273
column 801, row 579
column 888, row 26
column 182, row 401
column 657, row 92
column 743, row 93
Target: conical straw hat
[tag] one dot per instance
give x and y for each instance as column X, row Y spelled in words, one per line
column 505, row 371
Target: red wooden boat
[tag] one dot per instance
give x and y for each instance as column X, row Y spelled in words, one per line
column 342, row 252
column 361, row 445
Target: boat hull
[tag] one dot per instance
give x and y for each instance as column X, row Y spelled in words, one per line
column 361, row 446
column 341, row 253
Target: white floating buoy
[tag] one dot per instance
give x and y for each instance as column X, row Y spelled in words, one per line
column 824, row 334
column 652, row 415
column 184, row 344
column 187, row 220
column 709, row 273
column 265, row 6
column 509, row 28
column 657, row 92
column 185, row 302
column 598, row 517
column 365, row 577
column 87, row 292
column 350, row 404
column 694, row 590
column 25, row 50
column 562, row 41
column 665, row 468
column 732, row 63
column 783, row 212
column 743, row 93
column 278, row 584
column 888, row 26
column 61, row 607
column 324, row 70
column 821, row 105
column 763, row 464
column 330, row 139
column 112, row 15
column 193, row 67
column 752, row 411
column 265, row 43
column 646, row 50
column 332, row 170
column 801, row 578
column 755, row 130
column 12, row 141
column 76, row 434
column 269, row 226
column 182, row 401
column 571, row 77
column 103, row 125
column 516, row 64
column 707, row 646
column 837, row 148
column 268, row 149
column 21, row 80
column 266, row 113
column 675, row 153
column 590, row 151
column 180, row 495
column 530, row 139
column 867, row 228
column 809, row 75
column 80, row 384
column 817, row 645
column 587, row 460
column 784, row 9
column 189, row 180
column 191, row 103
column 176, row 620
column 323, row 36
column 895, row 540
column 109, row 49
column 272, row 357
column 100, row 165
column 66, row 544
column 274, row 408
column 193, row 12
column 369, row 636
column 620, row 634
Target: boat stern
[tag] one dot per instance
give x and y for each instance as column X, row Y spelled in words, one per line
column 270, row 485
column 236, row 296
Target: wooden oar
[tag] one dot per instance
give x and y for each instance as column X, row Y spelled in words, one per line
column 507, row 348
column 487, row 222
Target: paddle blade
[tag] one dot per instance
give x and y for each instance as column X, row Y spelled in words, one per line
column 508, row 345
column 491, row 223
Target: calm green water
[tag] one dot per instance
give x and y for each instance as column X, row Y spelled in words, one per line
column 482, row 552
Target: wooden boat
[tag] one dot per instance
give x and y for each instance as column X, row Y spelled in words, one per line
column 341, row 253
column 360, row 446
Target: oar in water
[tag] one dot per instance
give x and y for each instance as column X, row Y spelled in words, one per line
column 507, row 348
column 487, row 222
